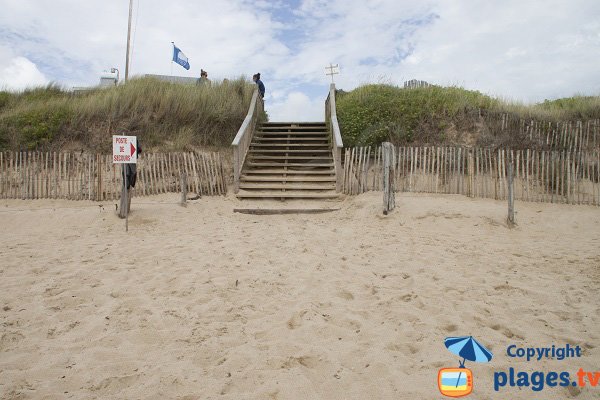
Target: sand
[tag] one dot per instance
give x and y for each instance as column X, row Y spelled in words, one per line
column 202, row 303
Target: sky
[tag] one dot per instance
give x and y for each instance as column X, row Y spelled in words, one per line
column 518, row 50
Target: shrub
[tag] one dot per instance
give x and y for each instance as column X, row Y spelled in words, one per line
column 371, row 114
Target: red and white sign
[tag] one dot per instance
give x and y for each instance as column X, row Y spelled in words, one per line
column 124, row 149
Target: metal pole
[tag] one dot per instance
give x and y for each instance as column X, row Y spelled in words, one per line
column 128, row 41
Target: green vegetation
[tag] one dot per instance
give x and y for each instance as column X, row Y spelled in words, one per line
column 173, row 117
column 372, row 114
column 161, row 114
column 571, row 108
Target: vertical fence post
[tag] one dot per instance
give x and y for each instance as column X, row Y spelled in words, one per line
column 389, row 201
column 470, row 173
column 511, row 194
column 183, row 189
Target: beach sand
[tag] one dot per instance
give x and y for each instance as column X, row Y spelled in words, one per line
column 197, row 302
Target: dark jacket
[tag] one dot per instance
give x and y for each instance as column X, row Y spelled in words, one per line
column 261, row 88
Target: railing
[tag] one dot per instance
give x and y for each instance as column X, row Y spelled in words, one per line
column 338, row 145
column 242, row 140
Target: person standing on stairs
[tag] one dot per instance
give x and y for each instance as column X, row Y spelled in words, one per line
column 261, row 86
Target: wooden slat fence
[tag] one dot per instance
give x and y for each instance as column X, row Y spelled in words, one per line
column 542, row 176
column 572, row 136
column 84, row 176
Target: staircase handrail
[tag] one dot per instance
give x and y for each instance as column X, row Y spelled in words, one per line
column 241, row 142
column 338, row 145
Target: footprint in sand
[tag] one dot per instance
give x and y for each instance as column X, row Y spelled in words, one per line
column 345, row 295
column 305, row 361
column 10, row 340
column 296, row 320
column 408, row 297
column 506, row 332
column 115, row 383
column 589, row 346
column 53, row 291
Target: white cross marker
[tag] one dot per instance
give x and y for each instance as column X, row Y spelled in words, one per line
column 331, row 70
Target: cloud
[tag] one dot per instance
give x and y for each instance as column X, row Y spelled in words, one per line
column 520, row 49
column 297, row 107
column 18, row 73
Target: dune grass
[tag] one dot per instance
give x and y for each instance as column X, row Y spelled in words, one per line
column 163, row 115
column 173, row 117
column 375, row 113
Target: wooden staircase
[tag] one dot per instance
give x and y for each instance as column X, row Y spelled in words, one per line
column 289, row 160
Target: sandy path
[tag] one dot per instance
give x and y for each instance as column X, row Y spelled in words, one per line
column 201, row 303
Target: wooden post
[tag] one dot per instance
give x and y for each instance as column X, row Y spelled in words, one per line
column 389, row 201
column 183, row 176
column 470, row 173
column 511, row 194
column 124, row 206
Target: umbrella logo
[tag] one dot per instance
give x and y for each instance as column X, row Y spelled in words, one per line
column 458, row 382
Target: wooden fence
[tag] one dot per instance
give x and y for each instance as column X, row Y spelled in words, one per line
column 572, row 136
column 415, row 84
column 543, row 176
column 83, row 176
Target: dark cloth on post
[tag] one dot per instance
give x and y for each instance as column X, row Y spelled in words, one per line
column 131, row 172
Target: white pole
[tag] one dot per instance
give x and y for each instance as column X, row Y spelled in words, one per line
column 172, row 52
column 128, row 41
column 331, row 70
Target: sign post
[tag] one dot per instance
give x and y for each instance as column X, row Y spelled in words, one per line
column 125, row 152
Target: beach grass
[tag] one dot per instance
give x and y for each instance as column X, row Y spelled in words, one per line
column 373, row 113
column 172, row 117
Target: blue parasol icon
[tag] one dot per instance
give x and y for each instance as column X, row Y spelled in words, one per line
column 469, row 349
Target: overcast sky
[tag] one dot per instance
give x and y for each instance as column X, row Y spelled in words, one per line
column 521, row 50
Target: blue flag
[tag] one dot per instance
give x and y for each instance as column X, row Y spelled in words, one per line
column 180, row 58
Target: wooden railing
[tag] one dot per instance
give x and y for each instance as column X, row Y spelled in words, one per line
column 242, row 140
column 337, row 145
column 541, row 176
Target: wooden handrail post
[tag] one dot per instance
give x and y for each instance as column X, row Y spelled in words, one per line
column 244, row 136
column 337, row 143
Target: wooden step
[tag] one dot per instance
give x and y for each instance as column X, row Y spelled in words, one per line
column 287, row 195
column 324, row 146
column 262, row 178
column 273, row 164
column 298, row 139
column 283, row 157
column 290, row 151
column 295, row 162
column 304, row 133
column 289, row 123
column 292, row 127
column 286, row 186
column 287, row 171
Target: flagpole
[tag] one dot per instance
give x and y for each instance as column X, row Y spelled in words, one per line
column 172, row 52
column 128, row 41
